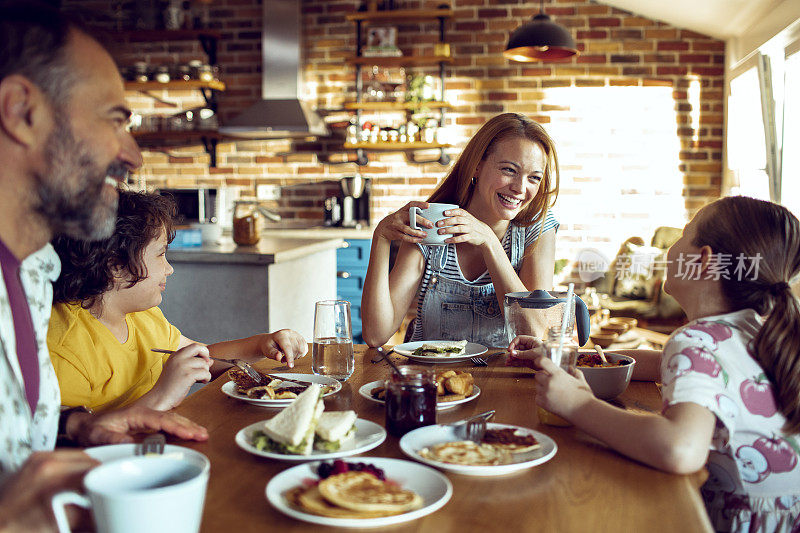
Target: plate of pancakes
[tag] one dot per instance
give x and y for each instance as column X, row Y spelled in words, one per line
column 359, row 499
column 503, row 450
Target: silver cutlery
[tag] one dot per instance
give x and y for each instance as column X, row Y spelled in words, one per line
column 381, row 354
column 245, row 367
column 476, row 429
column 152, row 445
column 483, row 361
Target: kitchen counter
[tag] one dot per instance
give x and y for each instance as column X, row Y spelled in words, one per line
column 271, row 248
column 305, row 230
column 224, row 291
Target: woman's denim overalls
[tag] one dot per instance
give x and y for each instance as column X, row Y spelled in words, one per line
column 452, row 310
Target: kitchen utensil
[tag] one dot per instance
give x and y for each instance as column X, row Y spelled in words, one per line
column 152, row 445
column 476, row 429
column 533, row 313
column 486, row 415
column 381, row 352
column 353, row 186
column 385, row 356
column 244, row 366
column 599, row 351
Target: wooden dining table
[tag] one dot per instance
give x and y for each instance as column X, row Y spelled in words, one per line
column 585, row 487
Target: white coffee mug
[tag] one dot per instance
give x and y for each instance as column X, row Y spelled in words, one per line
column 145, row 493
column 434, row 213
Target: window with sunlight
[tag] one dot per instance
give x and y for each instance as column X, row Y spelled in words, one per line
column 618, row 150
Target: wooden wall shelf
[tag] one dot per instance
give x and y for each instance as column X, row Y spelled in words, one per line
column 400, row 14
column 402, row 61
column 166, row 139
column 169, row 35
column 175, row 85
column 395, row 106
column 395, row 147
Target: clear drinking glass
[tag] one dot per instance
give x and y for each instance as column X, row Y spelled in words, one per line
column 332, row 351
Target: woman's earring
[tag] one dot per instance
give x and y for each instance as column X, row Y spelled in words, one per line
column 474, row 180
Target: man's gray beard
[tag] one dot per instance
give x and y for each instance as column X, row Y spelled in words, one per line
column 72, row 197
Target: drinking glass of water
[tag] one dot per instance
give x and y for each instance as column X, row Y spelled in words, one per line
column 332, row 351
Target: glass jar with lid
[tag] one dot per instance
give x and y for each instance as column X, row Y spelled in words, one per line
column 245, row 224
column 410, row 400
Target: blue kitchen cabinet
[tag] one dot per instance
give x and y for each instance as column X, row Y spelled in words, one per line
column 351, row 265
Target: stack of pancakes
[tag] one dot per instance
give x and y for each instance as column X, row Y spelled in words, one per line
column 497, row 448
column 353, row 495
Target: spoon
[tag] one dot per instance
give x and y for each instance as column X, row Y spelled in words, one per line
column 386, row 358
column 601, row 354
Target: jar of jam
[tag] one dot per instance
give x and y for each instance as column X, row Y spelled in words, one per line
column 410, row 400
column 245, row 224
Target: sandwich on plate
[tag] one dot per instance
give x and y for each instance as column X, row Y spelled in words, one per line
column 441, row 349
column 334, row 429
column 292, row 430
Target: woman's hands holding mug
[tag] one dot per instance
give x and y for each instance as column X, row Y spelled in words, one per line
column 461, row 226
column 397, row 226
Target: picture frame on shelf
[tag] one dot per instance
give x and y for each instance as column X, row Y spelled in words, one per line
column 382, row 42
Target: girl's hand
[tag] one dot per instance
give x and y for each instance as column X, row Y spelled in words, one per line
column 396, row 226
column 183, row 369
column 465, row 228
column 524, row 350
column 284, row 345
column 560, row 392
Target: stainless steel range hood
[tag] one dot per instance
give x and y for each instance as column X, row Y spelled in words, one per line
column 281, row 113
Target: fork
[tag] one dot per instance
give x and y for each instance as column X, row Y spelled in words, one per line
column 244, row 366
column 152, row 445
column 476, row 429
column 477, row 361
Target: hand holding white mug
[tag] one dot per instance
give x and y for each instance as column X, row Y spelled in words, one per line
column 161, row 494
column 396, row 227
column 435, row 214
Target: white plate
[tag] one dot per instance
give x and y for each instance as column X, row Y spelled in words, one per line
column 471, row 350
column 112, row 452
column 413, row 441
column 229, row 388
column 434, row 488
column 368, row 435
column 440, row 406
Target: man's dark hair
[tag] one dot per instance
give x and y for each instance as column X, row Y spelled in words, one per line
column 33, row 39
column 87, row 267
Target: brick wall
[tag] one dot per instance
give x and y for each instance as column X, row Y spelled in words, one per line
column 610, row 190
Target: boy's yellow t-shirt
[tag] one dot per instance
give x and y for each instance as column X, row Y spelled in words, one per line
column 96, row 370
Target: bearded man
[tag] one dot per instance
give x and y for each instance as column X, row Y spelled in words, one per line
column 64, row 146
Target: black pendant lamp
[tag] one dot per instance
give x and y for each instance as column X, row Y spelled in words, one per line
column 541, row 39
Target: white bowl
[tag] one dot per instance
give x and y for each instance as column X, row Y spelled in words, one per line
column 608, row 382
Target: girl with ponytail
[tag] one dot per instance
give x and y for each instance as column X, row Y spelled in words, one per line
column 731, row 376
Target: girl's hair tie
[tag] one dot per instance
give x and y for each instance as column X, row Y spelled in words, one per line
column 776, row 289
